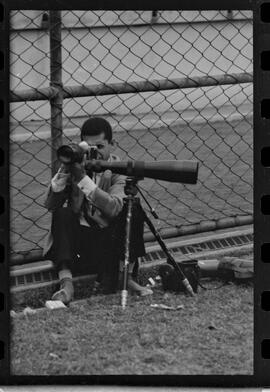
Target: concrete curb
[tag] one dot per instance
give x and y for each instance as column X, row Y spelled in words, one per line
column 36, row 311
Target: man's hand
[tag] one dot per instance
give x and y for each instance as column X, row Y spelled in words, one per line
column 77, row 171
column 64, row 168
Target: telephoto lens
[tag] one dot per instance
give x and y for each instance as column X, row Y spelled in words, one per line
column 71, row 153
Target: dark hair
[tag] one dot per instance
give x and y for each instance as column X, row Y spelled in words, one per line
column 96, row 126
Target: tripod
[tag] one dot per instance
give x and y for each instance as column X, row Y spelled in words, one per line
column 130, row 200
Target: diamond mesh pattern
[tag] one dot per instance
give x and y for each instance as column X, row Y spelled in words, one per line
column 210, row 122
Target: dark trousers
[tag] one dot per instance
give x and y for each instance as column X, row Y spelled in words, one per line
column 93, row 250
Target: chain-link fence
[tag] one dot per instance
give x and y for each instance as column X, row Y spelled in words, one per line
column 173, row 84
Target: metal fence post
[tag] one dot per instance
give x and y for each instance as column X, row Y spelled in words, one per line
column 56, row 83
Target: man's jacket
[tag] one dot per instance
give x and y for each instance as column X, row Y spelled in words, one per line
column 106, row 200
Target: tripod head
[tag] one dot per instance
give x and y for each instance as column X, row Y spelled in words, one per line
column 130, row 187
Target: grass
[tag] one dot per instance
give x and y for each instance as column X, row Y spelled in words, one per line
column 212, row 334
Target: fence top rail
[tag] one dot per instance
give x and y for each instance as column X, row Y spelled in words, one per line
column 44, row 27
column 47, row 93
column 32, row 94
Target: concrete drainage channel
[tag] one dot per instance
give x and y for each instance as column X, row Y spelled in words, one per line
column 41, row 275
column 201, row 247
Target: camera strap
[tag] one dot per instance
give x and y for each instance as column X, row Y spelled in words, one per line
column 91, row 222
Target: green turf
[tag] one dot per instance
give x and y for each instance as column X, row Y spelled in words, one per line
column 213, row 334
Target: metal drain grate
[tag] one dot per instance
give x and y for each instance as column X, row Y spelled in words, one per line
column 31, row 279
column 212, row 245
column 38, row 274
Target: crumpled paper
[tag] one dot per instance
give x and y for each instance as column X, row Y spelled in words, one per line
column 28, row 311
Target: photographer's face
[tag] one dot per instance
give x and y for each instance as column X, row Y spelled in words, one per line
column 103, row 146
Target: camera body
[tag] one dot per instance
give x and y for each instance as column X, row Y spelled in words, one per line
column 92, row 153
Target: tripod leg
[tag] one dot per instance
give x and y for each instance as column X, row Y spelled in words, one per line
column 127, row 252
column 168, row 254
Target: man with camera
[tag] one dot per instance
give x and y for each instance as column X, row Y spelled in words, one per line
column 87, row 209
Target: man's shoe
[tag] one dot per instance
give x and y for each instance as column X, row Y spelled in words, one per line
column 138, row 289
column 66, row 292
column 97, row 289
